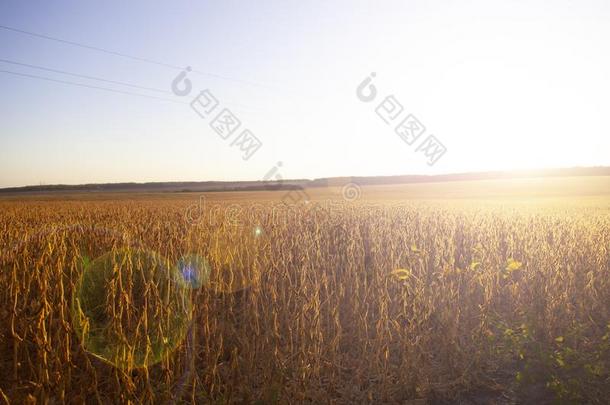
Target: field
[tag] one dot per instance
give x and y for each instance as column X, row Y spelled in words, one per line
column 462, row 292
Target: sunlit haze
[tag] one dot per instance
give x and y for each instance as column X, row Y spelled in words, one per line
column 501, row 84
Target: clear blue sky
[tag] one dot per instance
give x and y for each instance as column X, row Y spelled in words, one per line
column 502, row 84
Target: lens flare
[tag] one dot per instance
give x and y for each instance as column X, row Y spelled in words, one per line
column 129, row 309
column 193, row 271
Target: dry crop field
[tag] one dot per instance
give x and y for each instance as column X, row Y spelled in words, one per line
column 386, row 299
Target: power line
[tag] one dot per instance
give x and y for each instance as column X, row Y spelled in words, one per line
column 111, row 81
column 89, row 86
column 93, row 48
column 119, row 91
column 63, row 72
column 136, row 58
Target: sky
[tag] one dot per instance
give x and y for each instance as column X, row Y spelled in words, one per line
column 490, row 85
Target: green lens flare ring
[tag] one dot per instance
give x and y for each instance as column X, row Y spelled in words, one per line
column 130, row 309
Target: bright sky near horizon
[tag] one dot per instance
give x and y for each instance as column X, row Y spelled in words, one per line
column 501, row 84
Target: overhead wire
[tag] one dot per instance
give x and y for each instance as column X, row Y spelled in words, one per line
column 63, row 72
column 66, row 82
column 132, row 57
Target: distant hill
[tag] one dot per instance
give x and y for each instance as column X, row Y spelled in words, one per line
column 216, row 186
column 406, row 179
column 173, row 187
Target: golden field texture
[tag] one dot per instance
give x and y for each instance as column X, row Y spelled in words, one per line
column 319, row 302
